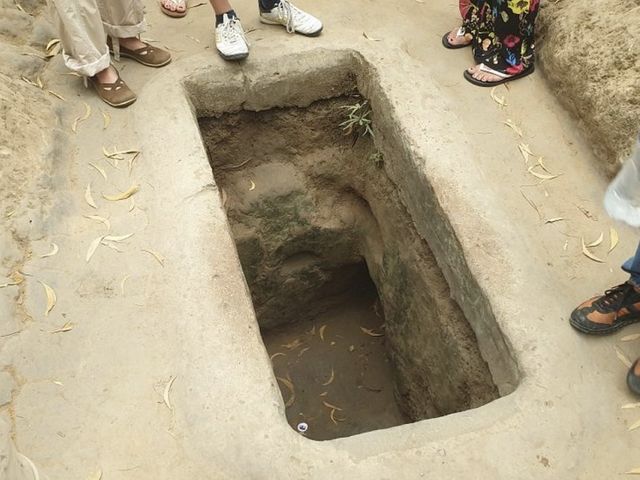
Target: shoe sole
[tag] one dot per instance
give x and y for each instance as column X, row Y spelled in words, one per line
column 314, row 34
column 581, row 327
column 137, row 59
column 234, row 57
column 469, row 77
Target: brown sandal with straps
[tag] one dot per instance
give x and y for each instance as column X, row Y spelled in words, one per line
column 116, row 94
column 148, row 55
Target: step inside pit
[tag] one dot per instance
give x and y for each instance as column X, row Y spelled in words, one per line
column 354, row 312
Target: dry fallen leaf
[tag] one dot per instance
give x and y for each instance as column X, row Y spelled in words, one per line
column 93, row 247
column 100, row 219
column 82, row 118
column 613, row 238
column 167, row 391
column 122, row 196
column 541, row 176
column 301, row 352
column 118, row 238
column 634, row 425
column 588, row 254
column 286, row 382
column 499, row 100
column 597, row 241
column 277, row 354
column 321, row 331
column 335, row 419
column 122, row 282
column 371, row 332
column 132, row 204
column 252, row 185
column 99, row 169
column 630, row 405
column 623, row 358
column 525, row 151
column 54, row 250
column 106, row 120
column 328, row 382
column 53, row 48
column 634, row 471
column 291, row 345
column 160, row 259
column 329, row 405
column 554, row 220
column 97, row 475
column 509, row 123
column 364, row 34
column 65, row 328
column 89, row 198
column 57, row 95
column 51, row 297
column 630, row 338
column 131, row 160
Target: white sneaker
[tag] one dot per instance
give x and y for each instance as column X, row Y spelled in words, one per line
column 294, row 19
column 230, row 40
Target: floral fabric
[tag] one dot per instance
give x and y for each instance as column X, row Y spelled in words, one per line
column 502, row 31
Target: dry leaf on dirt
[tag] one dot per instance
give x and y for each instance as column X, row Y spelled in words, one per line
column 88, row 197
column 100, row 219
column 371, row 332
column 291, row 345
column 277, row 354
column 122, row 282
column 335, row 419
column 630, row 405
column 287, row 383
column 118, row 238
column 613, row 238
column 99, row 169
column 533, row 205
column 331, row 378
column 588, row 254
column 634, row 471
column 81, row 118
column 541, row 176
column 57, row 95
column 252, row 185
column 133, row 189
column 509, row 123
column 623, row 358
column 167, row 391
column 554, row 220
column 159, row 258
column 634, row 425
column 499, row 100
column 301, row 352
column 51, row 297
column 54, row 250
column 106, row 119
column 53, row 48
column 525, row 151
column 331, row 406
column 131, row 160
column 132, row 205
column 97, row 475
column 93, row 247
column 597, row 241
column 364, row 34
column 321, row 331
column 65, row 328
column 630, row 338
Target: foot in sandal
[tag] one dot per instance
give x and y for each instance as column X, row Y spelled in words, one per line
column 457, row 38
column 141, row 52
column 112, row 89
column 174, row 8
column 484, row 76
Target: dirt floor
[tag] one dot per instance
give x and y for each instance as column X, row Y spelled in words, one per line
column 150, row 365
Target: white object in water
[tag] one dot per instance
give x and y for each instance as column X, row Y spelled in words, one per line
column 622, row 200
column 303, row 427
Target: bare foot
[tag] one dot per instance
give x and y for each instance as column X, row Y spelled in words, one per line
column 455, row 39
column 177, row 6
column 108, row 75
column 483, row 76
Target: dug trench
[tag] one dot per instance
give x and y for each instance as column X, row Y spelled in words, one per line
column 353, row 309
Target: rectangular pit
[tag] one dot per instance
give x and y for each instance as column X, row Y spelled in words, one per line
column 353, row 308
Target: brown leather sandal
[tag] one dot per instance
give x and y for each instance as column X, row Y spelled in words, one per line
column 116, row 94
column 148, row 55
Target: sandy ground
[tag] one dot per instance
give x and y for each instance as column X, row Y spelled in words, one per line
column 87, row 399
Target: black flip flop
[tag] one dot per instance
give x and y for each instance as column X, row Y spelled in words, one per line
column 451, row 46
column 469, row 77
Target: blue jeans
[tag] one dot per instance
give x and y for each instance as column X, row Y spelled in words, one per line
column 632, row 266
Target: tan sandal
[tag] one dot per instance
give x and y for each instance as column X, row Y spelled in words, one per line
column 148, row 55
column 116, row 94
column 174, row 13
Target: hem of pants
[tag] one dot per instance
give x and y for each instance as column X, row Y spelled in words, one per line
column 87, row 69
column 125, row 31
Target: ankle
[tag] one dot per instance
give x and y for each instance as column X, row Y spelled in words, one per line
column 267, row 5
column 220, row 18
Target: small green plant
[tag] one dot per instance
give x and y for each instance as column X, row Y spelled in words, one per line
column 377, row 158
column 358, row 120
